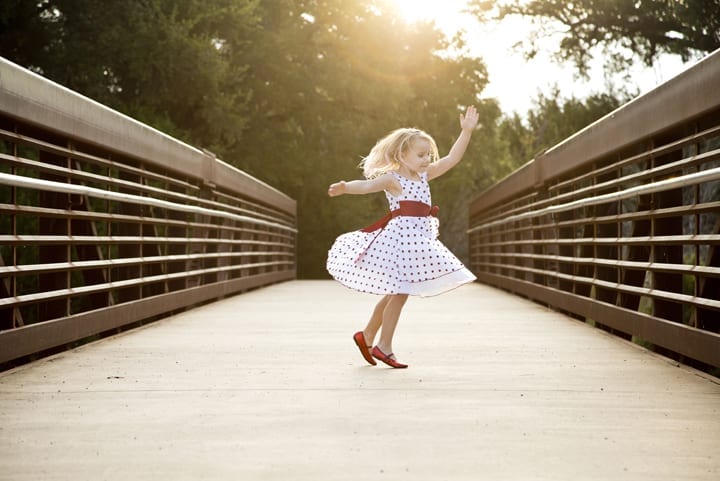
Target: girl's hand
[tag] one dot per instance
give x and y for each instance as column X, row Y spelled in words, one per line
column 338, row 188
column 470, row 119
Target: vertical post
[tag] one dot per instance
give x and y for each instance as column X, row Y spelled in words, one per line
column 125, row 249
column 709, row 287
column 87, row 252
column 51, row 253
column 608, row 251
column 207, row 185
column 667, row 253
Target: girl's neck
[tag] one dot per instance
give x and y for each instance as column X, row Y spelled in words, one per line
column 408, row 174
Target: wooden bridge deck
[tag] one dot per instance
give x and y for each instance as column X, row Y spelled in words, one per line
column 268, row 385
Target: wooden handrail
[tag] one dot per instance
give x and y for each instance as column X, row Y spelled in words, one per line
column 619, row 225
column 107, row 222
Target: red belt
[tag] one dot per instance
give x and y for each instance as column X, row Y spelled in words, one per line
column 408, row 208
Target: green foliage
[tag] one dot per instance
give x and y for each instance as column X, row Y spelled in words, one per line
column 335, row 77
column 552, row 120
column 645, row 28
column 178, row 66
column 295, row 92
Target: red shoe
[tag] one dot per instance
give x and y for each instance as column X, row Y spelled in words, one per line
column 359, row 339
column 387, row 359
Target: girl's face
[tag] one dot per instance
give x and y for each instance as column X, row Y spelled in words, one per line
column 418, row 156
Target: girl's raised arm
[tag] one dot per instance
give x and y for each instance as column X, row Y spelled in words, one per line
column 467, row 124
column 378, row 184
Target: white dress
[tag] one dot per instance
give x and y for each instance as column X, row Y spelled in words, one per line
column 404, row 257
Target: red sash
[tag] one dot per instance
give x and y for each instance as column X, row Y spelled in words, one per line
column 408, row 208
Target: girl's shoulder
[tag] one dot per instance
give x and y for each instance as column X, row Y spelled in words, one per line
column 391, row 182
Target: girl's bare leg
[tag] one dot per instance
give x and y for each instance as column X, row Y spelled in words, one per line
column 390, row 317
column 376, row 320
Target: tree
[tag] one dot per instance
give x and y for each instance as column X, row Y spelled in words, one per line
column 294, row 92
column 333, row 76
column 552, row 120
column 178, row 66
column 646, row 28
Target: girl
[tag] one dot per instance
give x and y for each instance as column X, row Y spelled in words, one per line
column 400, row 254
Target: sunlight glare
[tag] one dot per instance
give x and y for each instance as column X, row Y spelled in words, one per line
column 444, row 13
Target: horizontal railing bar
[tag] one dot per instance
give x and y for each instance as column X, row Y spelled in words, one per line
column 25, row 269
column 531, row 229
column 690, row 209
column 661, row 170
column 269, row 211
column 514, row 205
column 284, row 220
column 35, row 101
column 662, row 240
column 682, row 181
column 113, row 217
column 688, row 100
column 107, row 286
column 81, row 175
column 99, row 161
column 19, row 181
column 633, row 265
column 87, row 215
column 111, row 240
column 657, row 294
column 503, row 212
column 635, row 177
column 654, row 152
column 642, row 291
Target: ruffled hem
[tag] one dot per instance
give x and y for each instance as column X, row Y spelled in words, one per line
column 440, row 285
column 426, row 288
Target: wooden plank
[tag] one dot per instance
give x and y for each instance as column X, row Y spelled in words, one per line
column 269, row 385
column 35, row 338
column 695, row 343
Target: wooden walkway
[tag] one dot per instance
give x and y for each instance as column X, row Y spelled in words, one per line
column 268, row 386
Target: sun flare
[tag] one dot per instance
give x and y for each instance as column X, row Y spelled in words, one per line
column 444, row 13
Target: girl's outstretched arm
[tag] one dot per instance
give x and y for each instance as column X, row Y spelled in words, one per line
column 467, row 124
column 378, row 184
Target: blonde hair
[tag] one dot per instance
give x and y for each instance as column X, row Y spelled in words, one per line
column 385, row 155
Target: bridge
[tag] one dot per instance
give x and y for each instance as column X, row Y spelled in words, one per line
column 151, row 322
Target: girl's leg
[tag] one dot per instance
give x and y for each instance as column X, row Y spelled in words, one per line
column 376, row 320
column 390, row 317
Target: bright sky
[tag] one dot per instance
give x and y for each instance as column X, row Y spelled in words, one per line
column 514, row 81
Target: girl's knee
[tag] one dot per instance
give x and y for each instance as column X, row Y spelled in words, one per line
column 384, row 301
column 400, row 298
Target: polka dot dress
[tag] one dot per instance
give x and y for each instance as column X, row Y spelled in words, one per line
column 403, row 258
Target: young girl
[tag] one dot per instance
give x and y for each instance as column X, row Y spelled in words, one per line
column 400, row 254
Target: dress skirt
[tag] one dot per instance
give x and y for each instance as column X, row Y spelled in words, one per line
column 404, row 257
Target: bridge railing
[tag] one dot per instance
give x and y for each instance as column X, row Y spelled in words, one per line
column 619, row 224
column 106, row 222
